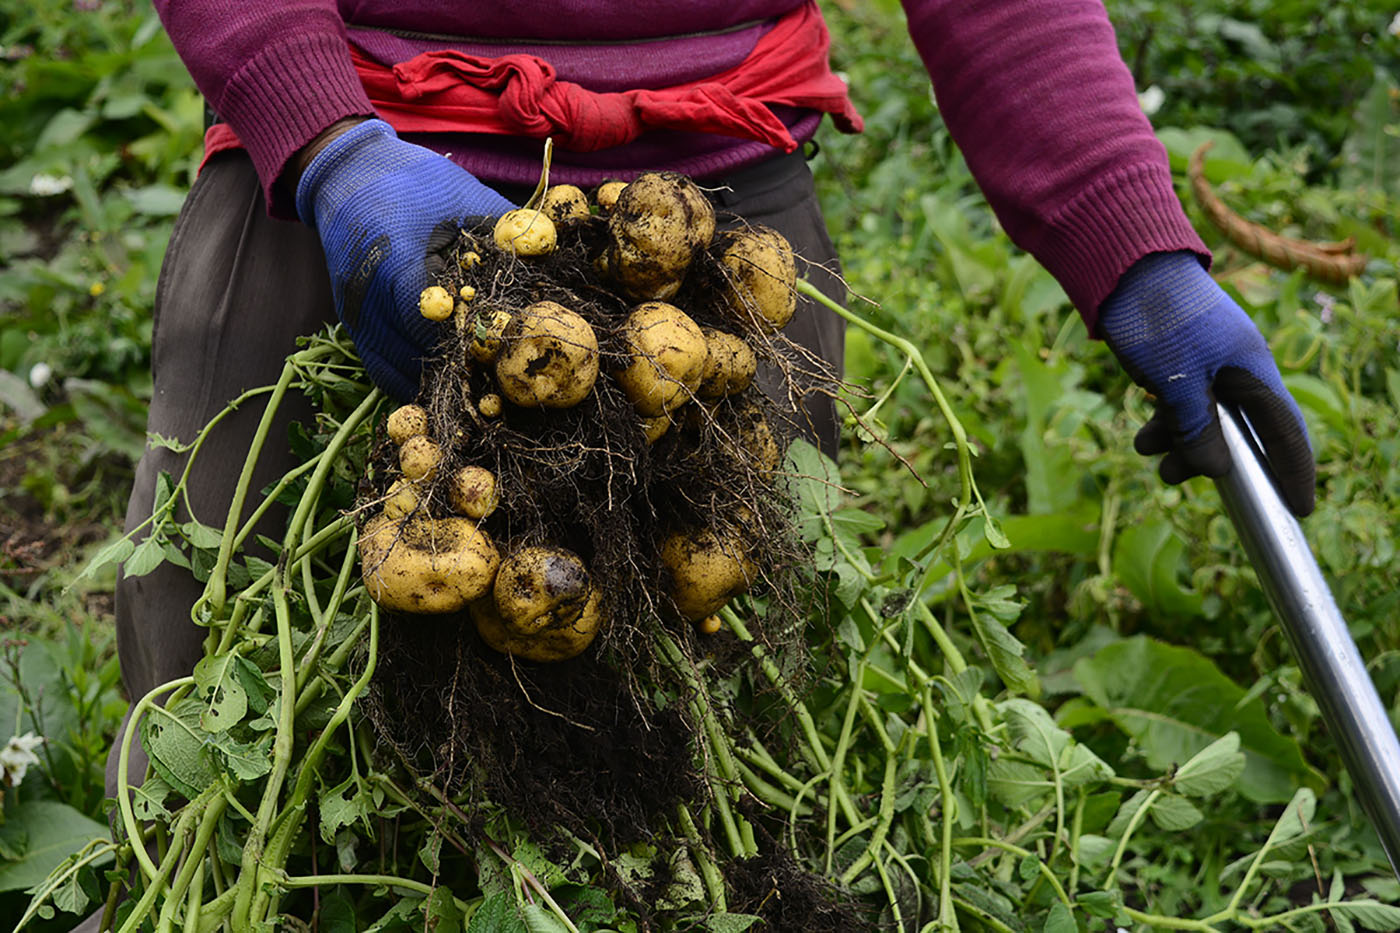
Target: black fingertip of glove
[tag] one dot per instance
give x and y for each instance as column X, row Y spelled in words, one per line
column 1155, row 437
column 1206, row 455
column 1281, row 433
column 356, row 285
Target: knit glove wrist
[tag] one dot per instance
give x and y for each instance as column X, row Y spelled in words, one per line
column 381, row 206
column 1180, row 337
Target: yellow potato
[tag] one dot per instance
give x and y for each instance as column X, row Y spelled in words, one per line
column 402, row 499
column 419, row 457
column 489, row 405
column 730, row 365
column 659, row 224
column 564, row 204
column 549, row 358
column 707, row 569
column 607, row 193
column 472, row 492
column 546, row 646
column 543, row 607
column 407, row 421
column 435, row 303
column 426, row 566
column 486, row 342
column 525, row 233
column 668, row 357
column 655, row 428
column 761, row 273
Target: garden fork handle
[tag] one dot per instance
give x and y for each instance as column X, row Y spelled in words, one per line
column 1332, row 667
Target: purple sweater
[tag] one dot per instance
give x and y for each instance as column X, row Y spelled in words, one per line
column 1033, row 91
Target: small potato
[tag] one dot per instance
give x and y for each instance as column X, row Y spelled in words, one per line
column 565, row 204
column 486, row 342
column 407, row 421
column 668, row 357
column 426, row 566
column 525, row 233
column 761, row 272
column 473, row 492
column 607, row 193
column 419, row 457
column 549, row 358
column 661, row 221
column 710, row 625
column 435, row 303
column 489, row 405
column 402, row 499
column 707, row 569
column 749, row 440
column 730, row 365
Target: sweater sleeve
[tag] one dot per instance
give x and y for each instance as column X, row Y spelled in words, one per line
column 277, row 71
column 1039, row 101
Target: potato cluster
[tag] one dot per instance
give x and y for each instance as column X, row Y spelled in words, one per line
column 621, row 332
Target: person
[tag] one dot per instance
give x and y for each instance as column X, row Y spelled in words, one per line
column 347, row 131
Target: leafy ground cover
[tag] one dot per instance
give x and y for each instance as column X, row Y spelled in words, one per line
column 1070, row 707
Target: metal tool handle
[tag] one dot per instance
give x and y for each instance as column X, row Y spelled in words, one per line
column 1332, row 667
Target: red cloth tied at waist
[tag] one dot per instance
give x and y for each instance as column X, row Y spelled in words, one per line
column 520, row 95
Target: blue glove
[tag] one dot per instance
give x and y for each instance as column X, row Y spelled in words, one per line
column 382, row 207
column 1183, row 339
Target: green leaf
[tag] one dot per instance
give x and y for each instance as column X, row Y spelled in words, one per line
column 1174, row 703
column 1037, row 736
column 440, row 911
column 539, row 919
column 1174, row 814
column 247, row 762
column 1147, row 558
column 497, row 914
column 46, row 832
column 223, row 700
column 342, row 805
column 729, row 923
column 1060, row 919
column 1099, row 903
column 114, row 553
column 157, row 200
column 178, row 748
column 1212, row 769
column 148, row 799
column 147, row 556
column 1095, row 850
column 430, row 852
column 1373, row 915
column 1004, row 651
column 202, row 536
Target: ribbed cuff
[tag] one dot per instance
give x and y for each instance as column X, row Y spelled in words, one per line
column 280, row 99
column 1095, row 238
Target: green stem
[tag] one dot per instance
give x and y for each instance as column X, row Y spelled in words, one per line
column 709, row 873
column 140, row 913
column 342, row 581
column 194, row 861
column 947, row 917
column 1128, row 831
column 1042, row 865
column 128, row 816
column 838, row 760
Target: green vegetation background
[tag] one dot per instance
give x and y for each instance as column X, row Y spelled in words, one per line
column 1109, row 576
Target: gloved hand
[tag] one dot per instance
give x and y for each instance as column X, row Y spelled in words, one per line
column 1183, row 339
column 380, row 204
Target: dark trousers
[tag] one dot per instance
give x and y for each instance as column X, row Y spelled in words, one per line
column 236, row 291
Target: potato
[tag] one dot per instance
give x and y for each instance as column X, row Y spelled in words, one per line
column 407, row 421
column 653, row 429
column 548, row 645
column 489, row 405
column 761, row 273
column 543, row 607
column 435, row 303
column 710, row 625
column 402, row 499
column 707, row 569
column 525, row 233
column 486, row 342
column 472, row 492
column 748, row 439
column 426, row 566
column 668, row 356
column 419, row 457
column 565, row 204
column 661, row 221
column 549, row 358
column 607, row 193
column 730, row 365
